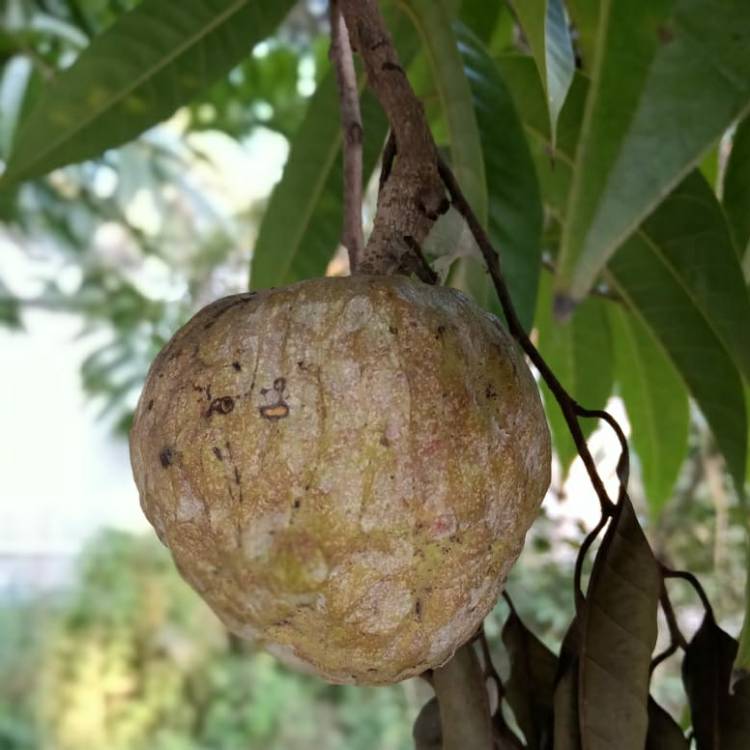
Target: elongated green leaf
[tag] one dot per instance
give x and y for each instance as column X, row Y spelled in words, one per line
column 669, row 274
column 664, row 732
column 515, row 206
column 481, row 17
column 152, row 60
column 671, row 77
column 736, row 193
column 709, row 166
column 619, row 635
column 13, row 83
column 302, row 224
column 531, row 685
column 434, row 23
column 656, row 403
column 546, row 29
column 720, row 716
column 301, row 227
column 580, row 354
column 585, row 15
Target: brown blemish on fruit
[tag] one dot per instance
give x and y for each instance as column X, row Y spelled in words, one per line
column 221, row 405
column 166, row 457
column 237, row 366
column 279, row 409
column 217, row 452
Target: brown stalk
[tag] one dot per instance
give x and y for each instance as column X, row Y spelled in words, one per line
column 352, row 236
column 413, row 196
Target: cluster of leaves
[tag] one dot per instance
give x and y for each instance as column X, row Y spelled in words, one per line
column 604, row 143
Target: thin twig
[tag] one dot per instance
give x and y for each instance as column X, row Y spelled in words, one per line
column 571, row 410
column 694, row 582
column 352, row 236
column 676, row 638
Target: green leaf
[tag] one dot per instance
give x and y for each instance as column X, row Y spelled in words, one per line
column 680, row 275
column 481, row 17
column 515, row 206
column 585, row 16
column 720, row 716
column 664, row 732
column 736, row 192
column 15, row 78
column 619, row 635
column 709, row 166
column 580, row 354
column 531, row 684
column 301, row 227
column 433, row 21
column 546, row 29
column 656, row 403
column 152, row 60
column 672, row 76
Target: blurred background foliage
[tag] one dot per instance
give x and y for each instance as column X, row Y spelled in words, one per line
column 135, row 240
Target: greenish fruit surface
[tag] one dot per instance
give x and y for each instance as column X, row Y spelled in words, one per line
column 344, row 469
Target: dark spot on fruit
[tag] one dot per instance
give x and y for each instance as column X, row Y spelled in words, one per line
column 418, row 609
column 384, row 441
column 166, row 457
column 297, row 503
column 440, row 332
column 307, row 488
column 209, row 325
column 236, row 475
column 237, row 366
column 490, row 391
column 222, row 405
column 393, row 330
column 217, row 452
column 150, row 405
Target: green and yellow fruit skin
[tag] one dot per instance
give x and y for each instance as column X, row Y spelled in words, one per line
column 344, row 469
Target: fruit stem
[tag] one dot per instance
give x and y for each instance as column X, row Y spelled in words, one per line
column 413, row 196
